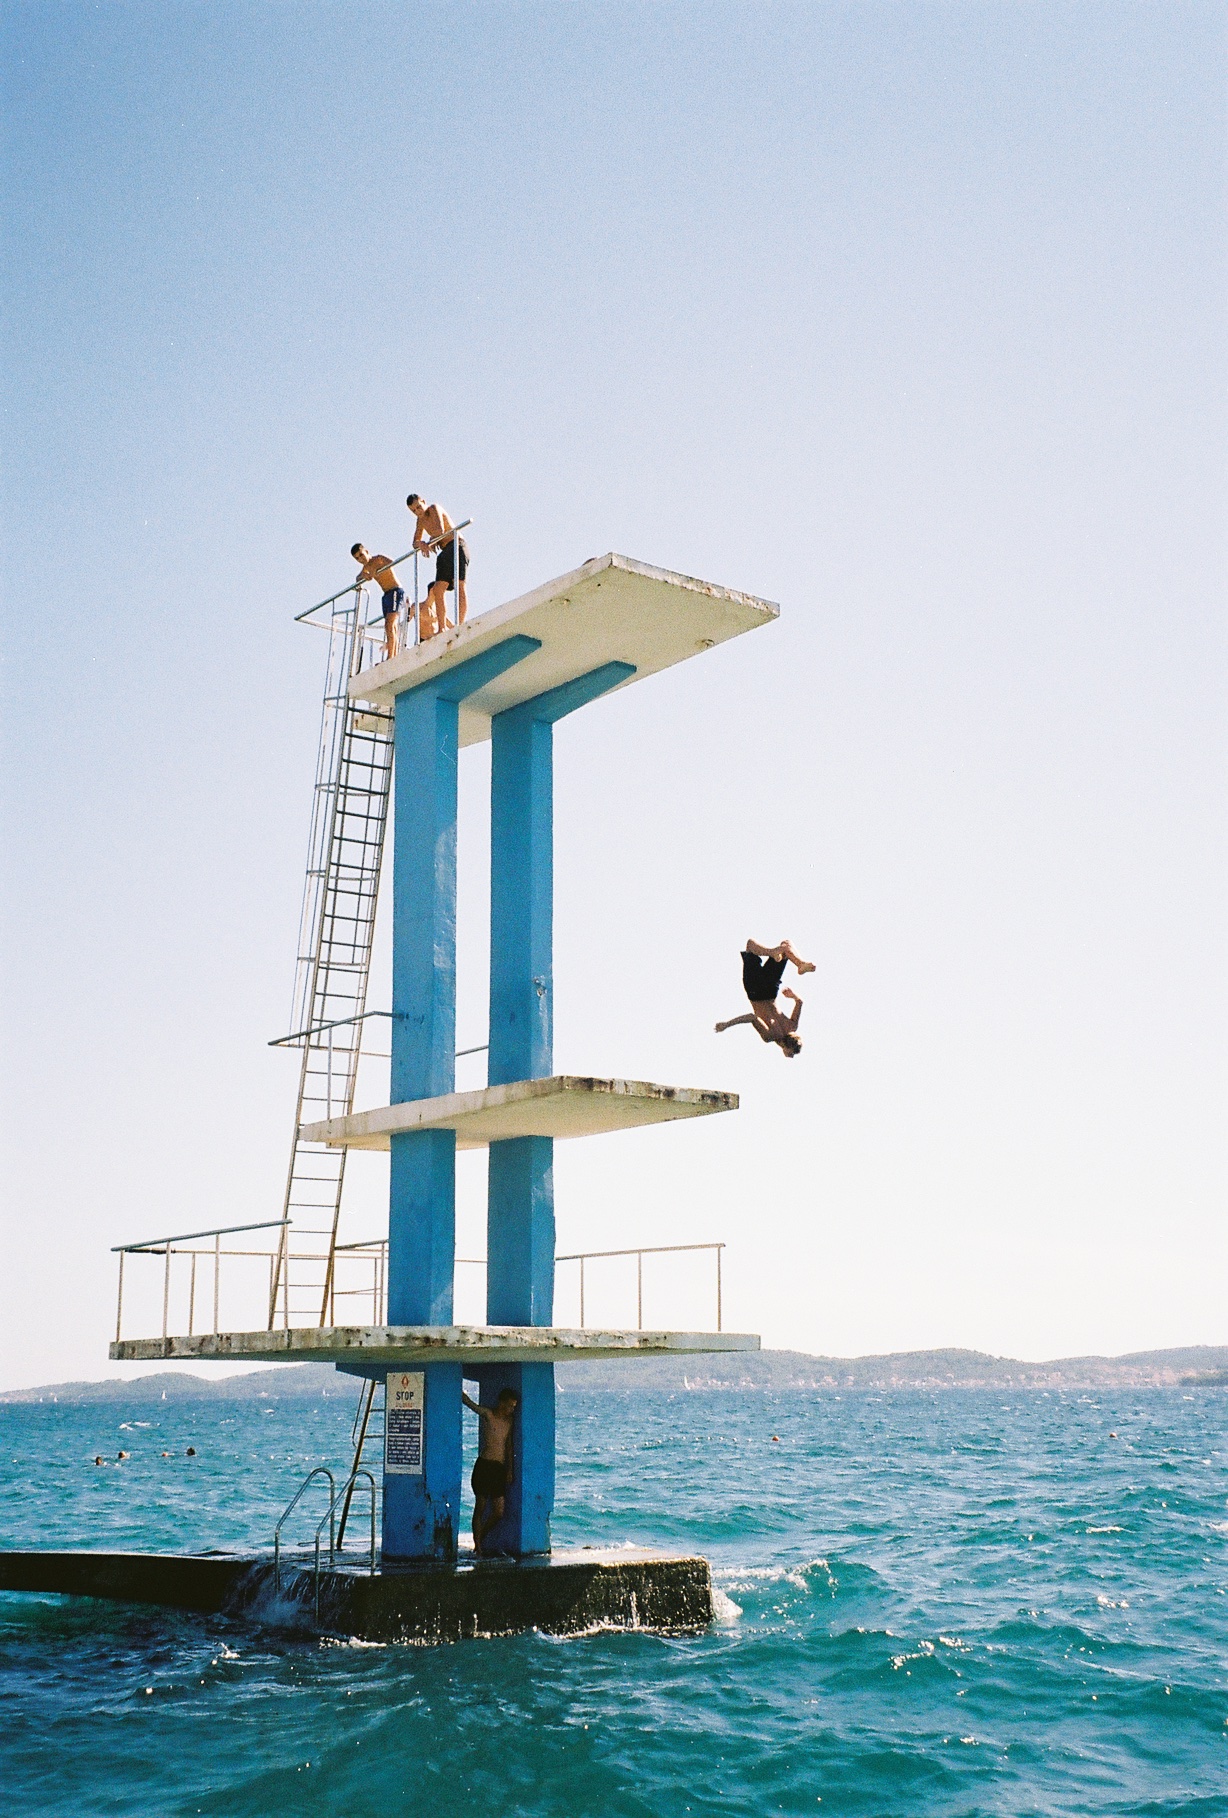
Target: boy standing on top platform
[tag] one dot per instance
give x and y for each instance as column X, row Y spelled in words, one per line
column 434, row 533
column 379, row 569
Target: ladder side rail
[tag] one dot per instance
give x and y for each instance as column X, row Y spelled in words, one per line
column 324, row 816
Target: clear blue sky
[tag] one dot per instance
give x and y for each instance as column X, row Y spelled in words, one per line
column 911, row 317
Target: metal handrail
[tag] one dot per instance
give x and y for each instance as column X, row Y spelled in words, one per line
column 639, row 1254
column 340, row 1022
column 346, row 1491
column 373, row 1250
column 316, row 1471
column 183, row 1237
column 343, row 1022
column 301, row 617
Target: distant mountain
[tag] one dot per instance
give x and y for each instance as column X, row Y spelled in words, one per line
column 950, row 1369
column 1202, row 1365
column 297, row 1380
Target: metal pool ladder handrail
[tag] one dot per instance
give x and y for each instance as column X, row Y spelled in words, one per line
column 317, row 1471
column 347, row 1490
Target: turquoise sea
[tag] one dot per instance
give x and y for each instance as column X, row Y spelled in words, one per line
column 962, row 1602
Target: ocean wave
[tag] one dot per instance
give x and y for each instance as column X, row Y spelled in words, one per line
column 802, row 1577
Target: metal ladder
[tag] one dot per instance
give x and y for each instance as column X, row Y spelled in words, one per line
column 336, row 932
column 367, row 1439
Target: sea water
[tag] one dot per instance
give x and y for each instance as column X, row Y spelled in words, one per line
column 962, row 1602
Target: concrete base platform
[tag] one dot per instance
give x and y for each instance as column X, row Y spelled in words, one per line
column 565, row 1594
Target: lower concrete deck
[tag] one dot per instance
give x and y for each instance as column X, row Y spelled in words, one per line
column 408, row 1347
column 564, row 1594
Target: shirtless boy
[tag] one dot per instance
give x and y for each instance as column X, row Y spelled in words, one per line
column 434, row 534
column 762, row 970
column 492, row 1474
column 379, row 569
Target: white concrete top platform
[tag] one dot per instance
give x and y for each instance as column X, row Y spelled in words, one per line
column 399, row 1346
column 565, row 1105
column 612, row 610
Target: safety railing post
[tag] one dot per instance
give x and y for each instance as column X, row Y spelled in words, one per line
column 192, row 1295
column 166, row 1290
column 119, row 1300
column 582, row 1293
column 639, row 1290
column 217, row 1269
column 719, row 1248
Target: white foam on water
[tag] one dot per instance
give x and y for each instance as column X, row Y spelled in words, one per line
column 725, row 1612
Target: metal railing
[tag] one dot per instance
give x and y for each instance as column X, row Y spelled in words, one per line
column 342, row 1494
column 358, row 1272
column 289, row 1268
column 317, row 1471
column 639, row 1255
column 370, row 632
column 346, row 1495
column 167, row 1247
column 299, row 1036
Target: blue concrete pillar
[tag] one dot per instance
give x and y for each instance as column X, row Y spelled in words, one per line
column 520, row 1209
column 421, row 1510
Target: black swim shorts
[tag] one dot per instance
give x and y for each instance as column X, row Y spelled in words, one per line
column 761, row 977
column 393, row 601
column 445, row 567
column 489, row 1478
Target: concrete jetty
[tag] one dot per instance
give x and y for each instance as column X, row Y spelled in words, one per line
column 563, row 1593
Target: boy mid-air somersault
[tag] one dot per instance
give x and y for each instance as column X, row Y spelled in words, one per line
column 762, row 970
column 492, row 1474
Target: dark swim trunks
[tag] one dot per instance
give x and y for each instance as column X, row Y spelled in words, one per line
column 445, row 567
column 393, row 601
column 489, row 1478
column 761, row 977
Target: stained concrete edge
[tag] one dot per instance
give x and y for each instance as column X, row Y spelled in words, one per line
column 565, row 1594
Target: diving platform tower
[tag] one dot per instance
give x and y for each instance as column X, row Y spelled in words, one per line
column 507, row 675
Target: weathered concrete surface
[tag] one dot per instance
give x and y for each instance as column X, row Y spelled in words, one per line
column 613, row 609
column 565, row 1105
column 403, row 1347
column 565, row 1594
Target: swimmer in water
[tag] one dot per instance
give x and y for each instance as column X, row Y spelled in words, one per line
column 762, row 970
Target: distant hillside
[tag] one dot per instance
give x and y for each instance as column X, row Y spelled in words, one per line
column 949, row 1369
column 299, row 1380
column 1204, row 1365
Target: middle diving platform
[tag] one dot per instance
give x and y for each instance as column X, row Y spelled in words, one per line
column 562, row 1106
